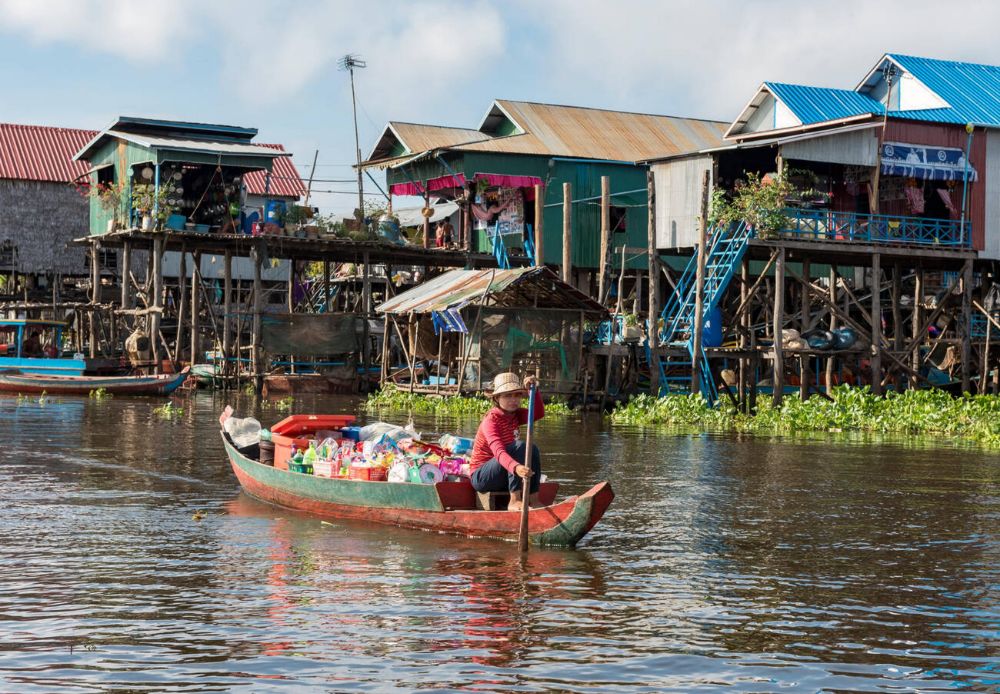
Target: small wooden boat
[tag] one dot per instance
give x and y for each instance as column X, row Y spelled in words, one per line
column 14, row 381
column 448, row 507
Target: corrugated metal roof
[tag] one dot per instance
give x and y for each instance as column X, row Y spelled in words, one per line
column 285, row 179
column 591, row 133
column 820, row 104
column 41, row 153
column 507, row 288
column 190, row 145
column 419, row 137
column 971, row 90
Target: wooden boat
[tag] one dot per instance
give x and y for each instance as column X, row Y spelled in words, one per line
column 35, row 347
column 447, row 507
column 14, row 381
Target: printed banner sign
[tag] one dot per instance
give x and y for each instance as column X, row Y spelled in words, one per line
column 925, row 162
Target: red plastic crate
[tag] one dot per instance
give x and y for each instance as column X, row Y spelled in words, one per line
column 299, row 429
column 369, row 474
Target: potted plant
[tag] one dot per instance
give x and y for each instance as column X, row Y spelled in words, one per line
column 146, row 199
column 630, row 327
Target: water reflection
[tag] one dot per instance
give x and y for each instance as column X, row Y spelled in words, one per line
column 725, row 562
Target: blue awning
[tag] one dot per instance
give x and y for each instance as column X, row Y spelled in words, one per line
column 924, row 162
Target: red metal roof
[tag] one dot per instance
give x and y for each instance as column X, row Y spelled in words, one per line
column 285, row 179
column 42, row 153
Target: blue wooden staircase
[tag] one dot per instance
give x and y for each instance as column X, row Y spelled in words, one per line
column 725, row 251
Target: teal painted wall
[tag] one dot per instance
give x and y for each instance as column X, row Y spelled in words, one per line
column 585, row 178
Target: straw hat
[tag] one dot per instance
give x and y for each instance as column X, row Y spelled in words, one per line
column 507, row 383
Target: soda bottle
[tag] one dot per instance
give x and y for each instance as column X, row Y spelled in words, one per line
column 309, row 459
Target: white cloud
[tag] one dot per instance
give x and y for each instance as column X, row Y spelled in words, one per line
column 139, row 32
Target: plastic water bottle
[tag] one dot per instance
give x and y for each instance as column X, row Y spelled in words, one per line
column 309, row 459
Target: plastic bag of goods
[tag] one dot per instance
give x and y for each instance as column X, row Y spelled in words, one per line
column 455, row 444
column 376, row 430
column 243, row 431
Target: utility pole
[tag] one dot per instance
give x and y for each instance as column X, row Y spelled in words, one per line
column 349, row 62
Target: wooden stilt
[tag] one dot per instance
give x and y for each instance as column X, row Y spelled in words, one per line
column 606, row 233
column 227, row 324
column 567, row 236
column 427, row 220
column 897, row 319
column 833, row 326
column 777, row 319
column 805, row 310
column 539, row 224
column 654, row 306
column 699, row 291
column 181, row 305
column 154, row 331
column 916, row 321
column 195, row 308
column 744, row 333
column 966, row 332
column 876, row 320
column 257, row 357
column 290, row 299
column 366, row 307
column 384, row 374
column 326, row 285
column 95, row 293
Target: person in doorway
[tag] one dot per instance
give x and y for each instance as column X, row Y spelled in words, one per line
column 439, row 235
column 499, row 460
column 447, row 233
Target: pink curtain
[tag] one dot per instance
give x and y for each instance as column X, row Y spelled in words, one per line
column 456, row 181
column 505, row 181
column 406, row 189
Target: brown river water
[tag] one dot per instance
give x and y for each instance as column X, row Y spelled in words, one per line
column 724, row 564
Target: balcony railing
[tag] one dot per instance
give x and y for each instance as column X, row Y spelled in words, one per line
column 876, row 228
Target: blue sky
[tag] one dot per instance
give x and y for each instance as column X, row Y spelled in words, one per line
column 273, row 66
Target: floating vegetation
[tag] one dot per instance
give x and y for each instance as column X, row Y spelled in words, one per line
column 168, row 410
column 394, row 399
column 41, row 400
column 283, row 405
column 915, row 412
column 100, row 394
column 250, row 388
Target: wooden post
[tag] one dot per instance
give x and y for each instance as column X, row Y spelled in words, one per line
column 966, row 325
column 833, row 326
column 897, row 319
column 606, row 230
column 154, row 321
column 95, row 293
column 384, row 375
column 427, row 220
column 778, row 378
column 126, row 302
column 290, row 301
column 699, row 290
column 803, row 377
column 916, row 321
column 470, row 197
column 567, row 255
column 366, row 304
column 876, row 316
column 195, row 307
column 181, row 305
column 654, row 307
column 227, row 299
column 326, row 285
column 539, row 224
column 805, row 308
column 744, row 339
column 257, row 357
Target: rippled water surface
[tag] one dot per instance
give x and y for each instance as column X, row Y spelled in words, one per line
column 747, row 565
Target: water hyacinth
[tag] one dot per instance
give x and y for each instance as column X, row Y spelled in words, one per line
column 396, row 400
column 915, row 412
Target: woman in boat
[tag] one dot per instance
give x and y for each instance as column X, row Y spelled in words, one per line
column 498, row 455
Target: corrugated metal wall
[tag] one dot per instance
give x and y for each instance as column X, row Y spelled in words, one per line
column 678, row 201
column 991, row 172
column 858, row 148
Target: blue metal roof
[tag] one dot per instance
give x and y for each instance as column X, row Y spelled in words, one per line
column 972, row 90
column 820, row 104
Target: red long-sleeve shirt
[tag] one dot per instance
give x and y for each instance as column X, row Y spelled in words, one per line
column 496, row 432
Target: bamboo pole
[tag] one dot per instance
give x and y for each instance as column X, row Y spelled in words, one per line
column 539, row 224
column 654, row 307
column 778, row 379
column 606, row 233
column 699, row 290
column 567, row 255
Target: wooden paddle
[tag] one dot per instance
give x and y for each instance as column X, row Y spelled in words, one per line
column 522, row 537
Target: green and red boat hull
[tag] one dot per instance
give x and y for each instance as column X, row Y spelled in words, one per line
column 447, row 507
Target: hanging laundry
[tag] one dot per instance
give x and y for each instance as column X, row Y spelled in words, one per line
column 945, row 196
column 914, row 199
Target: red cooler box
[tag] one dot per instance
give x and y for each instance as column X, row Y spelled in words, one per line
column 299, row 430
